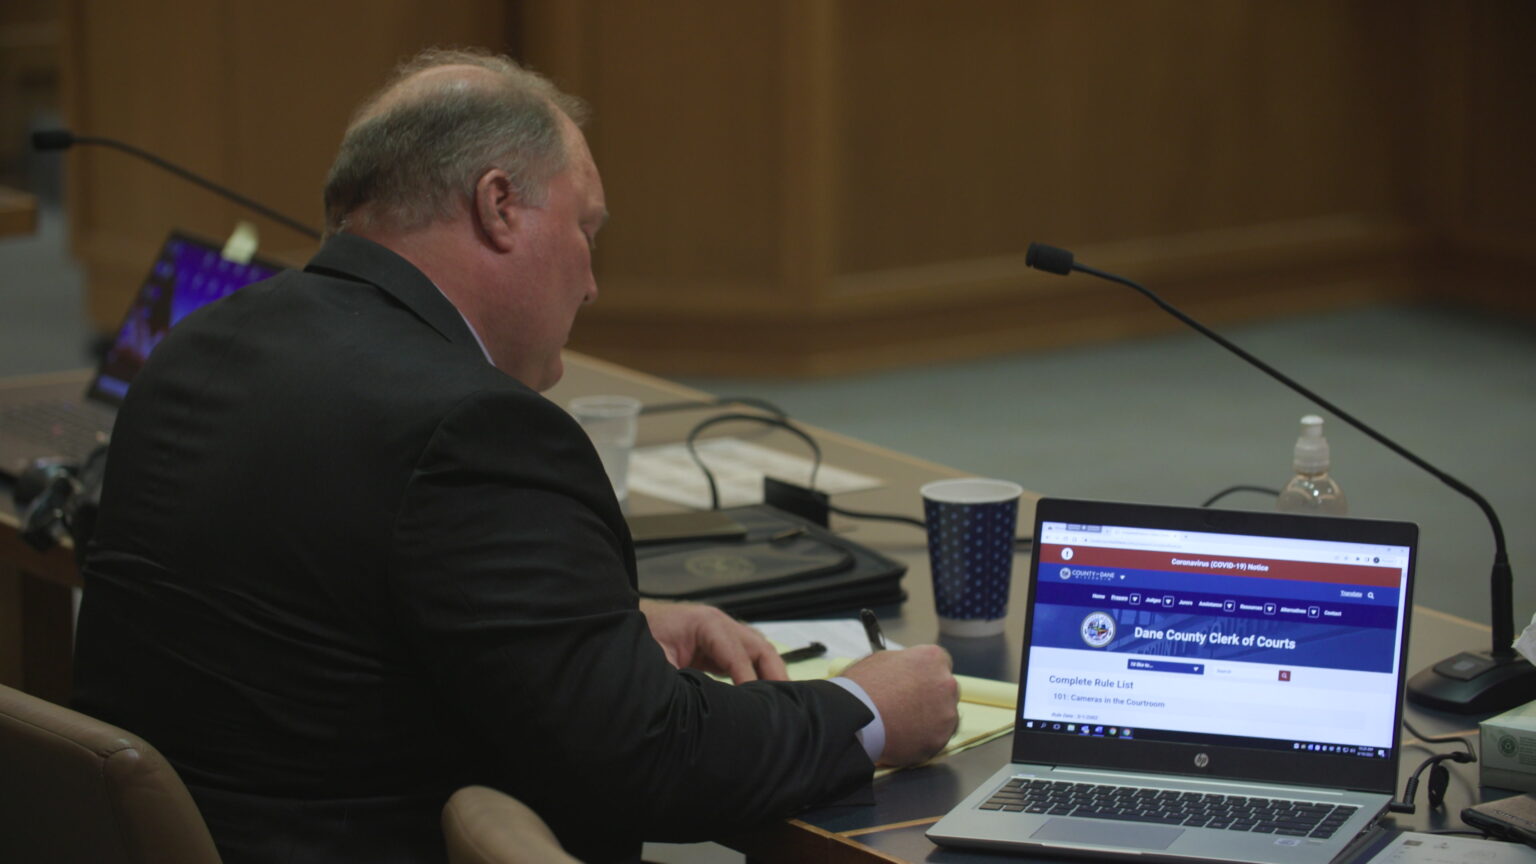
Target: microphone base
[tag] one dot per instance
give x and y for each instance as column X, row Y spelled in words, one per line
column 1474, row 682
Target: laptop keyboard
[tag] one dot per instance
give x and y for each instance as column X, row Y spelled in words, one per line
column 59, row 427
column 1192, row 809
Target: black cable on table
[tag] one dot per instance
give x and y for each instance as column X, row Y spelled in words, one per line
column 1262, row 490
column 780, row 421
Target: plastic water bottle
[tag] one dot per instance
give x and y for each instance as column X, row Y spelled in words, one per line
column 1312, row 490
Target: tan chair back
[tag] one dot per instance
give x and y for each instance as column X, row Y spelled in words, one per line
column 80, row 791
column 484, row 826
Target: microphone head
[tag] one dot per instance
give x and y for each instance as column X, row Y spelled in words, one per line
column 53, row 139
column 1049, row 258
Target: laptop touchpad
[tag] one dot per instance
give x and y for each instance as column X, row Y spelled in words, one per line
column 1103, row 832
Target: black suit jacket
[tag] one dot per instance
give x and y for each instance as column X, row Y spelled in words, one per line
column 344, row 566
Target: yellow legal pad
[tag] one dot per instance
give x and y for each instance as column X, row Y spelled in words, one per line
column 986, row 706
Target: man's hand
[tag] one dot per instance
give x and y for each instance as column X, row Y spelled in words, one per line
column 917, row 697
column 702, row 637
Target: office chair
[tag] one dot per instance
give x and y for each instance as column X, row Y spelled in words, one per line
column 484, row 826
column 80, row 791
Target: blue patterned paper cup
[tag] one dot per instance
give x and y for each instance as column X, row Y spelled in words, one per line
column 971, row 528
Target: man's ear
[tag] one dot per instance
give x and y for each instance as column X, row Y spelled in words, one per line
column 496, row 209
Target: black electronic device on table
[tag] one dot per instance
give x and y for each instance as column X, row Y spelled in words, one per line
column 1511, row 818
column 679, row 527
column 759, row 562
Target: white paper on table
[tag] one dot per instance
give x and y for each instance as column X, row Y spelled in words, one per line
column 669, row 473
column 1412, row 847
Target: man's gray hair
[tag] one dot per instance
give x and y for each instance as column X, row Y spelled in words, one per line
column 407, row 162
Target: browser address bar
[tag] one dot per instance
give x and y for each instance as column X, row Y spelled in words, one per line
column 1100, row 543
column 1232, row 550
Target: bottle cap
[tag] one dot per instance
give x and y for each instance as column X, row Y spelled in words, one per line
column 1311, row 447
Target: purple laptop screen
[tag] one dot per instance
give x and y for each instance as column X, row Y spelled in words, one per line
column 187, row 275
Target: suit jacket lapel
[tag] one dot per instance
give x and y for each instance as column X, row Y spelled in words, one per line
column 349, row 257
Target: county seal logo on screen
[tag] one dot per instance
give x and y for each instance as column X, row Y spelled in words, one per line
column 1098, row 629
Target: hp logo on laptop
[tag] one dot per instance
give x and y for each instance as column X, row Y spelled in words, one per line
column 1202, row 760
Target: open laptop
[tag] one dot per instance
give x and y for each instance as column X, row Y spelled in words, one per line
column 1201, row 685
column 58, row 421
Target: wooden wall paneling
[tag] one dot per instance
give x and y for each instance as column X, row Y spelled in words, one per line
column 975, row 134
column 1501, row 117
column 127, row 81
column 1149, row 123
column 687, row 132
column 551, row 38
column 1434, row 131
column 253, row 94
column 1470, row 134
column 1433, row 140
column 29, row 71
column 1498, row 234
column 811, row 212
column 962, row 310
column 816, row 185
column 922, row 151
column 718, row 158
column 298, row 70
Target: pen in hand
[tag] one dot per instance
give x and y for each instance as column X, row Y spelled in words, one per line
column 872, row 630
column 815, row 649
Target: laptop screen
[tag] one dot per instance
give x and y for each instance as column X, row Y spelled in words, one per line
column 1153, row 630
column 187, row 274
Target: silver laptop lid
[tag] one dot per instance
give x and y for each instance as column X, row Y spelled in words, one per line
column 1258, row 646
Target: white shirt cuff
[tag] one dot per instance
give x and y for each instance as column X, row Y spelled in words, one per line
column 872, row 736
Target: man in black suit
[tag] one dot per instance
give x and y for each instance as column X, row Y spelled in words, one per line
column 349, row 560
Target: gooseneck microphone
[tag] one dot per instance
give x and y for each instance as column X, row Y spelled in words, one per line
column 1471, row 682
column 62, row 139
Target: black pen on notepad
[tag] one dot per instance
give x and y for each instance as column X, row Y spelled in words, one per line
column 872, row 630
column 815, row 649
